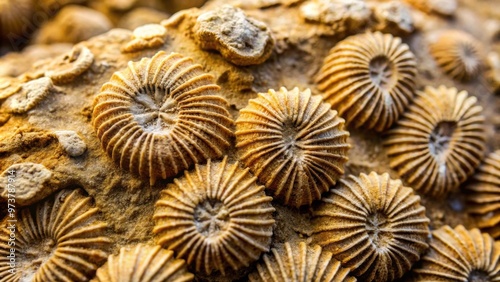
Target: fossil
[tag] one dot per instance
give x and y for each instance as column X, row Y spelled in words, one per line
column 374, row 225
column 161, row 115
column 216, row 217
column 30, row 95
column 144, row 37
column 70, row 66
column 294, row 143
column 30, row 185
column 439, row 141
column 443, row 7
column 369, row 79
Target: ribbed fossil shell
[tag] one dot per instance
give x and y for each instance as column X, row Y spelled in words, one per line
column 374, row 225
column 294, row 143
column 369, row 79
column 161, row 115
column 216, row 217
column 144, row 37
column 14, row 16
column 439, row 141
column 483, row 199
column 300, row 263
column 71, row 66
column 30, row 95
column 460, row 255
column 60, row 239
column 143, row 263
column 458, row 53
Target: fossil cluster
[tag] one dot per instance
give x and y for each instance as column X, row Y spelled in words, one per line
column 259, row 140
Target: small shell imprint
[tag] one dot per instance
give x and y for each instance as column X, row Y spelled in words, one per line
column 294, row 143
column 369, row 79
column 373, row 225
column 143, row 263
column 459, row 54
column 483, row 199
column 60, row 239
column 460, row 255
column 31, row 94
column 31, row 182
column 161, row 115
column 144, row 37
column 71, row 66
column 300, row 263
column 216, row 217
column 439, row 141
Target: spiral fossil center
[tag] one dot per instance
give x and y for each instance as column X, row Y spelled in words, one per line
column 378, row 228
column 211, row 218
column 291, row 141
column 155, row 110
column 381, row 72
column 440, row 138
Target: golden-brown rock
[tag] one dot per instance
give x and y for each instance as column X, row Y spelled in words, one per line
column 15, row 15
column 460, row 255
column 60, row 239
column 292, row 263
column 483, row 199
column 458, row 53
column 241, row 40
column 161, row 115
column 374, row 225
column 439, row 141
column 294, row 143
column 369, row 79
column 215, row 217
column 143, row 263
column 443, row 7
column 145, row 37
column 70, row 66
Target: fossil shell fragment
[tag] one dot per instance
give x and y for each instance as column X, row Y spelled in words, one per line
column 143, row 263
column 60, row 239
column 439, row 141
column 369, row 79
column 374, row 225
column 216, row 217
column 9, row 86
column 145, row 37
column 241, row 40
column 458, row 53
column 294, row 143
column 71, row 66
column 161, row 115
column 301, row 263
column 71, row 142
column 30, row 95
column 483, row 199
column 393, row 17
column 460, row 255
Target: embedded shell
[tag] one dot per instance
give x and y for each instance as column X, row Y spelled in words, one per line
column 143, row 263
column 70, row 66
column 300, row 263
column 161, row 115
column 483, row 199
column 294, row 143
column 216, row 217
column 60, row 239
column 30, row 183
column 460, row 255
column 30, row 95
column 369, row 79
column 439, row 141
column 374, row 225
column 458, row 53
column 144, row 37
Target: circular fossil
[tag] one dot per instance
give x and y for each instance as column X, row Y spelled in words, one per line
column 161, row 115
column 71, row 65
column 144, row 37
column 460, row 255
column 374, row 225
column 439, row 141
column 369, row 79
column 60, row 239
column 300, row 263
column 483, row 199
column 215, row 217
column 30, row 95
column 294, row 143
column 143, row 263
column 458, row 53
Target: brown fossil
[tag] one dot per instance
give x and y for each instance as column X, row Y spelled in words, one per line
column 143, row 263
column 483, row 199
column 70, row 66
column 30, row 95
column 439, row 141
column 60, row 239
column 300, row 263
column 161, row 115
column 460, row 255
column 216, row 217
column 374, row 225
column 294, row 143
column 144, row 37
column 369, row 79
